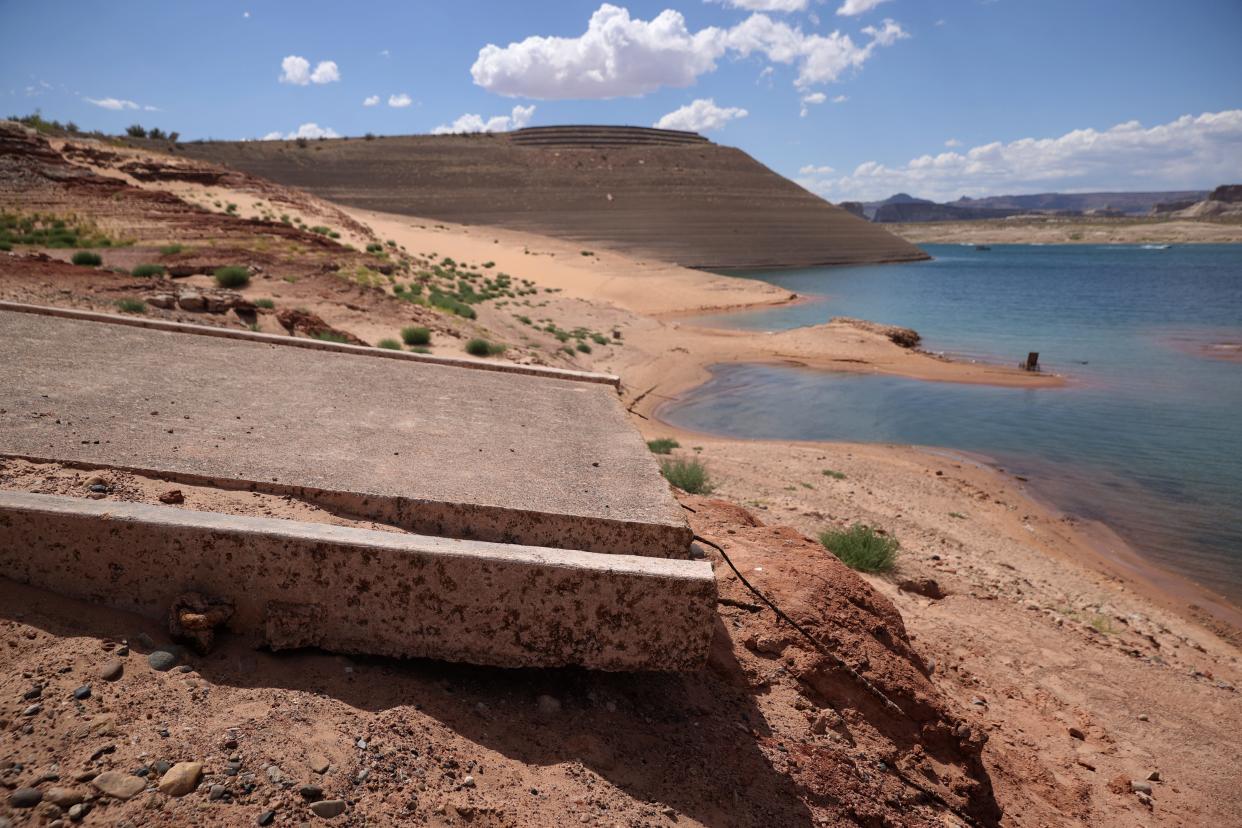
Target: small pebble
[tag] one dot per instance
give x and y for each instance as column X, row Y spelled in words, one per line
column 32, row 710
column 311, row 793
column 217, row 792
column 266, row 817
column 113, row 670
column 83, row 692
column 328, row 808
column 33, row 693
column 1077, row 734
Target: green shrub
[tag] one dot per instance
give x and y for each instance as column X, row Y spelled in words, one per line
column 415, row 335
column 419, row 349
column 131, row 305
column 481, row 347
column 375, row 247
column 390, row 344
column 87, row 259
column 688, row 475
column 233, row 276
column 170, row 249
column 664, row 445
column 584, row 348
column 331, row 336
column 145, row 270
column 862, row 548
column 835, row 475
column 4, row 245
column 265, row 303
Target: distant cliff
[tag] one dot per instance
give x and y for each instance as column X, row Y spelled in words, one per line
column 669, row 195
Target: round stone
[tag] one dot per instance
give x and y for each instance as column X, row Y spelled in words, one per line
column 25, row 797
column 163, row 660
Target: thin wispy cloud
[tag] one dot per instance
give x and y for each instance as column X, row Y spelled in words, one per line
column 115, row 104
column 765, row 5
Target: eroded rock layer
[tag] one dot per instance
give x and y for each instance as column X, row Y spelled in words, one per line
column 659, row 193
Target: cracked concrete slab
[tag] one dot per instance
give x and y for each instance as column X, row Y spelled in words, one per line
column 351, row 590
column 436, row 449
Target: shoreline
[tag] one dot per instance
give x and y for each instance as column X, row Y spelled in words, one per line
column 1110, row 554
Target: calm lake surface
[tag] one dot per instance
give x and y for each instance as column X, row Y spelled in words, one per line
column 1147, row 437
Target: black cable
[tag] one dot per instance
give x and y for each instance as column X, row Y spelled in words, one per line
column 831, row 656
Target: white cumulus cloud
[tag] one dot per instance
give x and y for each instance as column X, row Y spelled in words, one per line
column 371, row 100
column 296, row 70
column 1191, row 152
column 518, row 118
column 113, row 103
column 619, row 55
column 310, row 130
column 399, row 101
column 765, row 5
column 700, row 116
column 811, row 169
column 851, row 8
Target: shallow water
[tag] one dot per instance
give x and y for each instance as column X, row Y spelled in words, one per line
column 1147, row 437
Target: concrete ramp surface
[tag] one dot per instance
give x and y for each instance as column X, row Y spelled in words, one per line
column 440, row 450
column 542, row 533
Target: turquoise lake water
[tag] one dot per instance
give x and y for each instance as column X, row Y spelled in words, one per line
column 1147, row 437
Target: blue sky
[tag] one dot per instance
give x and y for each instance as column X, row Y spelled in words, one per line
column 854, row 98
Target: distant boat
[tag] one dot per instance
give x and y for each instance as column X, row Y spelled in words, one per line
column 982, row 247
column 1156, row 246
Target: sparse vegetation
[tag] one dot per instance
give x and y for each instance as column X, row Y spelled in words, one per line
column 233, row 276
column 415, row 335
column 663, row 445
column 835, row 475
column 390, row 344
column 481, row 347
column 136, row 131
column 862, row 548
column 50, row 231
column 688, row 475
column 584, row 348
column 266, row 303
column 957, row 515
column 130, row 305
column 147, row 270
column 86, row 258
column 1102, row 624
column 170, row 249
column 331, row 336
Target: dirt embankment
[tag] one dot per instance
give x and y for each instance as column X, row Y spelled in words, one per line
column 697, row 204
